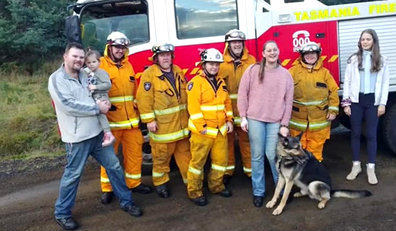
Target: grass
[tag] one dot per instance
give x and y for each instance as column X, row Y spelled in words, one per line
column 27, row 119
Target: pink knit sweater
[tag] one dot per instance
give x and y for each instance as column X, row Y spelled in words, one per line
column 270, row 101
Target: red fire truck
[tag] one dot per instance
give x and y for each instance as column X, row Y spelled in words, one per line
column 194, row 24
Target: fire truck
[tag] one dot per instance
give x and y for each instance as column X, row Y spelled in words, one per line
column 198, row 24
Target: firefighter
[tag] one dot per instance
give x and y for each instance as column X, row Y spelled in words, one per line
column 236, row 60
column 210, row 109
column 162, row 103
column 123, row 115
column 315, row 102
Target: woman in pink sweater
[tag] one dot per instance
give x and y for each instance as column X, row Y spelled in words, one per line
column 265, row 99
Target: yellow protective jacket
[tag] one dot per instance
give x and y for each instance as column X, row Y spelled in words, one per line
column 123, row 113
column 159, row 100
column 208, row 108
column 315, row 95
column 233, row 75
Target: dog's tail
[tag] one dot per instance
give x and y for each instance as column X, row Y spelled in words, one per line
column 352, row 194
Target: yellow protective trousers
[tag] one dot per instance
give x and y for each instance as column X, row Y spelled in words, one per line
column 132, row 141
column 200, row 147
column 162, row 154
column 313, row 141
column 244, row 147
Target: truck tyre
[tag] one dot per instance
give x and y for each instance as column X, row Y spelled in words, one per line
column 389, row 129
column 147, row 163
column 345, row 120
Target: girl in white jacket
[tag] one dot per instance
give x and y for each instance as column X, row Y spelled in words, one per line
column 365, row 95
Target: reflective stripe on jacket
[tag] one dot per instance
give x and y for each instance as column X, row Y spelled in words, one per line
column 233, row 75
column 123, row 113
column 315, row 95
column 209, row 109
column 159, row 100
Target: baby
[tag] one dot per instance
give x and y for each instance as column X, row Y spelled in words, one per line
column 99, row 84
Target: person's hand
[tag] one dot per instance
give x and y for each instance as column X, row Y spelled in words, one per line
column 381, row 110
column 152, row 126
column 244, row 124
column 104, row 106
column 230, row 127
column 284, row 131
column 330, row 116
column 203, row 132
column 347, row 110
column 91, row 87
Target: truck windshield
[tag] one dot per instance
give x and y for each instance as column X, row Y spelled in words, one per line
column 98, row 20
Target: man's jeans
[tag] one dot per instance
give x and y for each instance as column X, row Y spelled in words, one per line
column 263, row 139
column 77, row 155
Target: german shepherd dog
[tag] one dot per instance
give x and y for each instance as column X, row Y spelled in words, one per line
column 298, row 166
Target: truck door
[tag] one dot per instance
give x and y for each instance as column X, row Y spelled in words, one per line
column 97, row 19
column 263, row 25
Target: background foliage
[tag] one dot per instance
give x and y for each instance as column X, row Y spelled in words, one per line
column 31, row 32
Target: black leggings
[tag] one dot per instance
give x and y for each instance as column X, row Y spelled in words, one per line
column 364, row 109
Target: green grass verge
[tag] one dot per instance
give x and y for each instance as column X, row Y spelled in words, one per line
column 28, row 125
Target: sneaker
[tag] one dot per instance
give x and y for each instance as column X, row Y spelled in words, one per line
column 356, row 169
column 108, row 139
column 67, row 223
column 372, row 178
column 133, row 210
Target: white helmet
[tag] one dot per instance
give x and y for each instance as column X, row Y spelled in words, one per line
column 235, row 35
column 310, row 47
column 211, row 55
column 117, row 38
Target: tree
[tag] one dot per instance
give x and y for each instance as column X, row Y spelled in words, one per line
column 31, row 31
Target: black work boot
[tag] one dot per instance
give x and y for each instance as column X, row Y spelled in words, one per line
column 133, row 210
column 142, row 189
column 163, row 191
column 67, row 223
column 199, row 201
column 106, row 197
column 225, row 193
column 226, row 179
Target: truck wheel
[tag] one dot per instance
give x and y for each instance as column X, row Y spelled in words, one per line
column 389, row 128
column 147, row 163
column 345, row 121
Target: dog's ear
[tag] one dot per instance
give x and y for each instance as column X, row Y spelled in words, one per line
column 300, row 135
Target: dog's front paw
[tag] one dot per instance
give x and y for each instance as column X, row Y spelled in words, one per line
column 270, row 204
column 277, row 211
column 298, row 194
column 322, row 205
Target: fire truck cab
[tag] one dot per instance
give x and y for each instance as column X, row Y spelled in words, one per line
column 195, row 24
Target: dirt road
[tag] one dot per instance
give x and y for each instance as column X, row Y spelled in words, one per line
column 27, row 199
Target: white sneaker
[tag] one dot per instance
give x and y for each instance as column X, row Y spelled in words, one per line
column 372, row 178
column 356, row 169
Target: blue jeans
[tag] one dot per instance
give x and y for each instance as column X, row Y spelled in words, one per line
column 263, row 139
column 77, row 155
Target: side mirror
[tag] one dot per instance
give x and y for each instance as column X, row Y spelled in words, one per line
column 73, row 29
